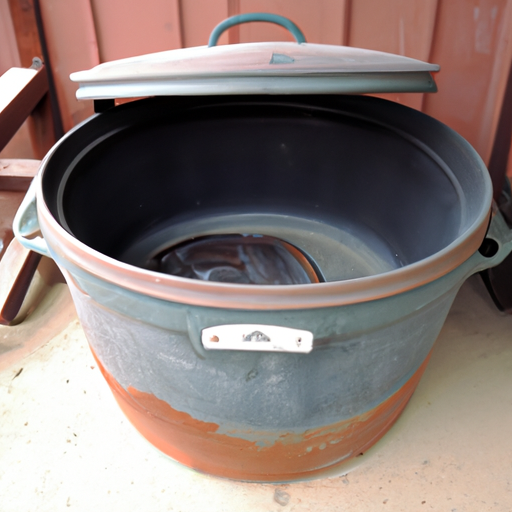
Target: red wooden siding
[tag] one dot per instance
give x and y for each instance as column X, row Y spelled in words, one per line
column 471, row 39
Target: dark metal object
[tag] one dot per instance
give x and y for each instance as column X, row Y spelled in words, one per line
column 498, row 280
column 102, row 105
column 501, row 147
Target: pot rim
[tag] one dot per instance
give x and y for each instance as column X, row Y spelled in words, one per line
column 67, row 249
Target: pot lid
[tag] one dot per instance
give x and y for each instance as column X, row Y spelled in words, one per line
column 256, row 68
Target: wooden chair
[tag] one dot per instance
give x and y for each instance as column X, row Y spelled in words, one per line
column 24, row 94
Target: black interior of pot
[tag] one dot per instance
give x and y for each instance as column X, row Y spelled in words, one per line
column 147, row 163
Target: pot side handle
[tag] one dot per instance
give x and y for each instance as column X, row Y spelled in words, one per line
column 257, row 338
column 26, row 224
column 496, row 246
column 255, row 16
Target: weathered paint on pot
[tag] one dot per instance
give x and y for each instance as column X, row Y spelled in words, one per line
column 291, row 456
column 266, row 416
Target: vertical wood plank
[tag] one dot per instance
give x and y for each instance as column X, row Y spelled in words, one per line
column 497, row 84
column 198, row 19
column 403, row 27
column 234, row 32
column 71, row 40
column 509, row 164
column 126, row 28
column 40, row 134
column 20, row 145
column 500, row 151
column 9, row 56
column 23, row 19
column 345, row 22
column 473, row 45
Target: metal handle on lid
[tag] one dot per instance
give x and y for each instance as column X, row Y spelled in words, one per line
column 256, row 16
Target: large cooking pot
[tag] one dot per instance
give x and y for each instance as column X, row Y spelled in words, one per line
column 391, row 207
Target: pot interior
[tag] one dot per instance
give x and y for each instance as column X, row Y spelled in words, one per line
column 355, row 192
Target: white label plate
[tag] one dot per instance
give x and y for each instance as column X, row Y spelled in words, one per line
column 257, row 338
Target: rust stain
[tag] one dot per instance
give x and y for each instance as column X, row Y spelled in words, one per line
column 199, row 445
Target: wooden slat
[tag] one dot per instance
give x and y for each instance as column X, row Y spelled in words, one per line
column 345, row 22
column 40, row 124
column 17, row 264
column 71, row 40
column 41, row 128
column 499, row 157
column 509, row 164
column 403, row 27
column 17, row 174
column 20, row 91
column 125, row 28
column 9, row 56
column 17, row 268
column 498, row 81
column 10, row 201
column 472, row 44
column 199, row 18
column 233, row 33
column 20, row 144
column 23, row 18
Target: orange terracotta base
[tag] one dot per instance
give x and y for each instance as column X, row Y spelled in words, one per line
column 293, row 456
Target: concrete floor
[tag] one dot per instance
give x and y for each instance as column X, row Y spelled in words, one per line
column 65, row 445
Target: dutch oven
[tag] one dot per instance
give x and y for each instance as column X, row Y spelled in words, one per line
column 382, row 211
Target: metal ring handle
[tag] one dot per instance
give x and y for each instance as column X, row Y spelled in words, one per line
column 255, row 16
column 500, row 236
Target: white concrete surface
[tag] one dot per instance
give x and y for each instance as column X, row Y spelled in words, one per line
column 65, row 445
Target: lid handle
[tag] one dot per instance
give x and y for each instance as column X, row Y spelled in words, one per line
column 255, row 16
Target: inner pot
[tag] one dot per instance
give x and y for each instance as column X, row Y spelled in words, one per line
column 358, row 197
column 243, row 259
